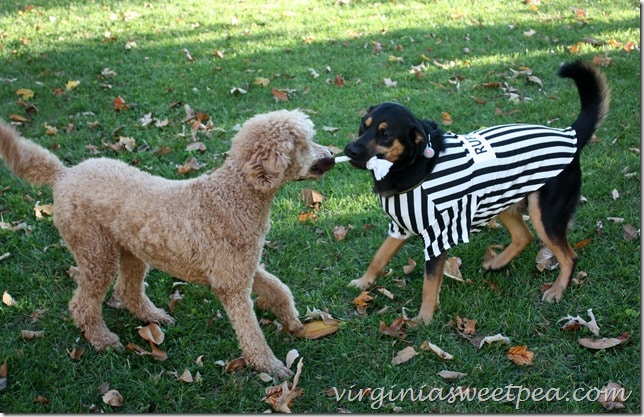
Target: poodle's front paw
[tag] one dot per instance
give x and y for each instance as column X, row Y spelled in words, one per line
column 294, row 326
column 280, row 371
column 104, row 341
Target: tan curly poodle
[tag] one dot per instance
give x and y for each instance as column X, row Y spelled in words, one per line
column 118, row 221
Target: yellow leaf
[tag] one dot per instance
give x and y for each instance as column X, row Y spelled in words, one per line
column 262, row 81
column 8, row 300
column 25, row 93
column 71, row 84
column 318, row 329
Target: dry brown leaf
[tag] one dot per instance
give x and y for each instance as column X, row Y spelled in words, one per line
column 291, row 356
column 520, row 355
column 465, row 325
column 279, row 94
column 312, row 198
column 323, row 315
column 157, row 353
column 362, row 301
column 449, row 375
column 189, row 166
column 318, row 329
column 630, row 232
column 546, row 260
column 447, row 118
column 137, row 349
column 306, row 216
column 174, row 298
column 452, row 268
column 604, row 342
column 575, row 323
column 42, row 400
column 385, row 292
column 77, row 353
column 427, row 345
column 42, row 210
column 119, row 104
column 113, row 398
column 411, row 264
column 235, row 365
column 31, row 334
column 612, row 396
column 186, row 376
column 196, row 146
column 339, row 233
column 152, row 333
column 404, row 355
column 8, row 300
column 478, row 342
column 395, row 329
column 281, row 397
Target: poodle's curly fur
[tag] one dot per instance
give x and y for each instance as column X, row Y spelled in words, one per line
column 118, row 220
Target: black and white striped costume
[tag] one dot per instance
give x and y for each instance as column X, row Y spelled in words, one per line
column 476, row 177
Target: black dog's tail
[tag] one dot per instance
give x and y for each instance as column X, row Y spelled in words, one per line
column 594, row 94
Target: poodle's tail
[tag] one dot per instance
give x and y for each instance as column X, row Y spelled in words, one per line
column 594, row 95
column 28, row 160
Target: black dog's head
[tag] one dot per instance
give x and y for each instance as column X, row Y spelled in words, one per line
column 391, row 131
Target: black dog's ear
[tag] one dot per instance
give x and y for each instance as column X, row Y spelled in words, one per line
column 418, row 134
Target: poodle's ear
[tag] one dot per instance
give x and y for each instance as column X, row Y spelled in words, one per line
column 267, row 164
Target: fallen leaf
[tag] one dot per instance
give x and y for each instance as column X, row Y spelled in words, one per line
column 152, row 333
column 189, row 166
column 575, row 323
column 604, row 342
column 77, row 353
column 291, row 356
column 71, row 84
column 338, row 81
column 535, row 80
column 449, row 375
column 237, row 90
column 312, row 198
column 404, row 355
column 119, row 104
column 25, row 93
column 411, row 264
column 615, row 194
column 630, row 232
column 582, row 243
column 31, row 334
column 50, row 130
column 42, row 400
column 339, row 233
column 325, row 316
column 465, row 325
column 279, row 94
column 8, row 300
column 612, row 396
column 317, row 329
column 43, row 210
column 18, row 118
column 157, row 353
column 452, row 268
column 478, row 342
column 520, row 355
column 281, row 397
column 395, row 329
column 186, row 376
column 385, row 292
column 196, row 146
column 546, row 260
column 447, row 118
column 427, row 345
column 3, row 369
column 390, row 83
column 362, row 301
column 261, row 81
column 235, row 365
column 529, row 33
column 113, row 398
column 330, row 129
column 306, row 216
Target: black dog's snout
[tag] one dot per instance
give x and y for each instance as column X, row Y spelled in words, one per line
column 352, row 150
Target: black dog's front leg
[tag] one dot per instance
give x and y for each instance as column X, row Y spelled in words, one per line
column 431, row 288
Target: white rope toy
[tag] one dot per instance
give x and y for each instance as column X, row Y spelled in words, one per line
column 380, row 167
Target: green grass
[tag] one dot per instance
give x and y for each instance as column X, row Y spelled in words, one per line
column 45, row 44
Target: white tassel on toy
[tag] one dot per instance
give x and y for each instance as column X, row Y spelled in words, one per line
column 380, row 167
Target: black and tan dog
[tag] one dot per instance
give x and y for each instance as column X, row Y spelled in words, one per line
column 444, row 186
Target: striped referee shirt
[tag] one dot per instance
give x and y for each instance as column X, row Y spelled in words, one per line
column 476, row 177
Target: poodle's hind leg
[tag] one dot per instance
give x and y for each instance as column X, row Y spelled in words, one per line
column 130, row 290
column 97, row 265
column 274, row 295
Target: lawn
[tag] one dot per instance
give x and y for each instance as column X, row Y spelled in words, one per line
column 118, row 79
